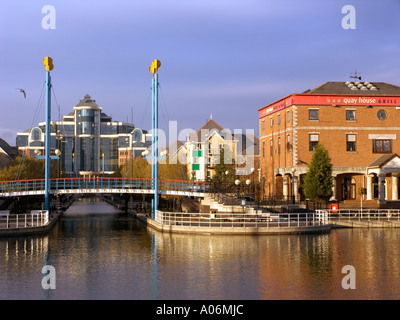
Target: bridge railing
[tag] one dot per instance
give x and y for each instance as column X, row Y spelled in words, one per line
column 22, row 185
column 36, row 218
column 99, row 183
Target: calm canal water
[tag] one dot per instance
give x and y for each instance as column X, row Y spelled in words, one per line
column 100, row 253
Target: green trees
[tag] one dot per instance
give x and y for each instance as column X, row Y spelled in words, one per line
column 318, row 180
column 24, row 168
column 138, row 168
column 225, row 165
column 141, row 168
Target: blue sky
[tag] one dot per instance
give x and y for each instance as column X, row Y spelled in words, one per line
column 227, row 58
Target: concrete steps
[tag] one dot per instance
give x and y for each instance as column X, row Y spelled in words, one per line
column 217, row 207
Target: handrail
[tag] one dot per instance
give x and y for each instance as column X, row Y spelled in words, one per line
column 35, row 185
column 37, row 218
column 366, row 214
column 221, row 220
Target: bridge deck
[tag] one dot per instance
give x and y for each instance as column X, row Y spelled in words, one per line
column 101, row 185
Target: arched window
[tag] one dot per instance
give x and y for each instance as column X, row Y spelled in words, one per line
column 375, row 187
column 36, row 134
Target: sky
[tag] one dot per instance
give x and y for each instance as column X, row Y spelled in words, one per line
column 225, row 58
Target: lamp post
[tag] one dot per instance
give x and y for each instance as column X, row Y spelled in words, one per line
column 293, row 196
column 73, row 164
column 252, row 181
column 226, row 180
column 58, row 154
column 248, row 183
column 237, row 183
column 102, row 163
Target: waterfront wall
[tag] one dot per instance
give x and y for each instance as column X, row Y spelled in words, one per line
column 31, row 230
column 232, row 230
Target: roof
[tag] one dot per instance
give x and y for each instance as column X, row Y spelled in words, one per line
column 211, row 126
column 175, row 146
column 87, row 101
column 7, row 153
column 10, row 151
column 382, row 160
column 363, row 88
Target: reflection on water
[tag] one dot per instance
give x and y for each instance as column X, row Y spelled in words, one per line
column 100, row 253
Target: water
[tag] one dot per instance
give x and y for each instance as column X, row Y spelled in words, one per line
column 100, row 253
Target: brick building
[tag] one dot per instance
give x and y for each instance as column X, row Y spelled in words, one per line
column 358, row 122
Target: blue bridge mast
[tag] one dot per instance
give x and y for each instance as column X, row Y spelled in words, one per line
column 154, row 111
column 48, row 64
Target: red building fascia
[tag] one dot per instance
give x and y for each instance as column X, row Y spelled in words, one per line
column 329, row 100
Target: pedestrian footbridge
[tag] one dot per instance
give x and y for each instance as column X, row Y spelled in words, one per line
column 98, row 185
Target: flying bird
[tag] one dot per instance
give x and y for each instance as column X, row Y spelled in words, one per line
column 23, row 91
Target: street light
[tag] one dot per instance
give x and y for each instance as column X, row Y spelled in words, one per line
column 226, row 180
column 293, row 196
column 248, row 183
column 237, row 182
column 58, row 154
column 102, row 162
column 253, row 186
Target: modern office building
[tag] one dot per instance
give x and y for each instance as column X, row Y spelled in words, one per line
column 358, row 122
column 90, row 142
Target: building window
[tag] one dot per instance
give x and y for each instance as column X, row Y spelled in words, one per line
column 288, row 116
column 313, row 139
column 279, row 119
column 288, row 144
column 350, row 115
column 382, row 114
column 313, row 114
column 271, row 147
column 271, row 122
column 279, row 145
column 382, row 146
column 197, row 153
column 350, row 142
column 263, row 149
column 263, row 124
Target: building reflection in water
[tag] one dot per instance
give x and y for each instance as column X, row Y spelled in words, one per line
column 107, row 255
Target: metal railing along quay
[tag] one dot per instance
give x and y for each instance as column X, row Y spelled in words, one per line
column 37, row 218
column 360, row 215
column 238, row 220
